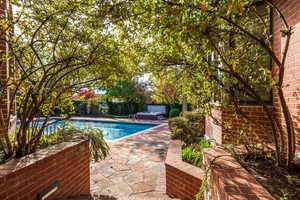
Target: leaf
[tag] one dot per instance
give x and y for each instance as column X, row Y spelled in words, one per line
column 4, row 26
column 203, row 7
column 209, row 73
column 229, row 11
column 234, row 66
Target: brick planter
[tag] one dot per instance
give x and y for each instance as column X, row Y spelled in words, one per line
column 66, row 165
column 229, row 180
column 183, row 180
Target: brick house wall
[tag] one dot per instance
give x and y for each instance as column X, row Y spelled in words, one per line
column 291, row 10
column 257, row 131
column 65, row 163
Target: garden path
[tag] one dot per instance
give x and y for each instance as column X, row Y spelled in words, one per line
column 135, row 169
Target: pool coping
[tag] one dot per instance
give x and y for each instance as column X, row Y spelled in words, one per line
column 137, row 133
column 135, row 121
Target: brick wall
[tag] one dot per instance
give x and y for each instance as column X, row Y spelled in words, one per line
column 228, row 180
column 4, row 72
column 183, row 180
column 258, row 131
column 67, row 163
column 290, row 9
column 212, row 129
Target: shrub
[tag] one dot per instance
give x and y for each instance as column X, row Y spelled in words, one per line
column 177, row 127
column 174, row 112
column 195, row 122
column 187, row 128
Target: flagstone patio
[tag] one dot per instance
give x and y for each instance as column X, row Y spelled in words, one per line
column 135, row 169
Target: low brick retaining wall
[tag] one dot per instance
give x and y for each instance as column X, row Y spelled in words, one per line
column 229, row 180
column 66, row 165
column 183, row 180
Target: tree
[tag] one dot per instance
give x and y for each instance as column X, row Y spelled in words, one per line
column 186, row 34
column 164, row 91
column 59, row 47
column 126, row 90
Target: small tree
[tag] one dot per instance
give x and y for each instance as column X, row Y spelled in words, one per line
column 237, row 33
column 59, row 47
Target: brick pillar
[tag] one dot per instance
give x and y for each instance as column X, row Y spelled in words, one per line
column 4, row 63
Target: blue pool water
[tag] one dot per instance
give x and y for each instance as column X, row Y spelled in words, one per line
column 110, row 130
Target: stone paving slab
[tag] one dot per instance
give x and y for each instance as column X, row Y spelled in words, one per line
column 135, row 169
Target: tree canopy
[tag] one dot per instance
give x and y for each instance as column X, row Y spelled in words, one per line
column 217, row 50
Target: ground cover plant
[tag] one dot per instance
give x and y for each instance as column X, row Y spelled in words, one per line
column 193, row 153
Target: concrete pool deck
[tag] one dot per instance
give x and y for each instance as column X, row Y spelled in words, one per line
column 135, row 168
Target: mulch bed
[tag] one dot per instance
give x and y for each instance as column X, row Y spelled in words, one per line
column 279, row 181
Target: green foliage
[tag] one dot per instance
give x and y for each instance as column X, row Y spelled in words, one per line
column 193, row 154
column 99, row 149
column 60, row 47
column 195, row 121
column 125, row 108
column 126, row 90
column 177, row 127
column 174, row 112
column 102, row 109
column 220, row 51
column 188, row 128
column 164, row 91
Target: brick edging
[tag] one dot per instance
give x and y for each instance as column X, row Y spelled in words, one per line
column 183, row 180
column 229, row 180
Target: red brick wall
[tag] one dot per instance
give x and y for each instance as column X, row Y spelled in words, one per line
column 229, row 180
column 290, row 9
column 3, row 51
column 67, row 163
column 258, row 131
column 212, row 130
column 183, row 180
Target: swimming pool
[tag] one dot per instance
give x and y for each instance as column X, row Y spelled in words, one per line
column 110, row 130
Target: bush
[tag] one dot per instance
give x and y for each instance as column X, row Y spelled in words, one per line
column 195, row 122
column 177, row 126
column 187, row 128
column 174, row 112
